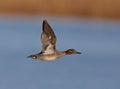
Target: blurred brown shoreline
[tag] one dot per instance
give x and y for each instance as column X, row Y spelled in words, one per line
column 86, row 8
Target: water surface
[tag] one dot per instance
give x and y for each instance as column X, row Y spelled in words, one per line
column 96, row 68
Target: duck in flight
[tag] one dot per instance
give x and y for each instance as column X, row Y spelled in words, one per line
column 49, row 51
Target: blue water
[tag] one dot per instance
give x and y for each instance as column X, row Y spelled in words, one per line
column 98, row 67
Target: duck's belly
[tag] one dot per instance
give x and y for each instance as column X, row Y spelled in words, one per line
column 48, row 58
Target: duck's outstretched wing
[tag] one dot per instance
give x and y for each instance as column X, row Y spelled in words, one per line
column 48, row 39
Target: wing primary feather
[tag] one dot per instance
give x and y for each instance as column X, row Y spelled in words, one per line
column 48, row 38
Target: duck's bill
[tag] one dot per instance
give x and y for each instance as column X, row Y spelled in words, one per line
column 78, row 53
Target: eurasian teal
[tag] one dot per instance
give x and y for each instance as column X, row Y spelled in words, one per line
column 49, row 51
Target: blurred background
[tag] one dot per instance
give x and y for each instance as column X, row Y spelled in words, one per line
column 89, row 26
column 84, row 8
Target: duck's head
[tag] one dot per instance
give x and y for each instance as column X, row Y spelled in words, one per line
column 72, row 51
